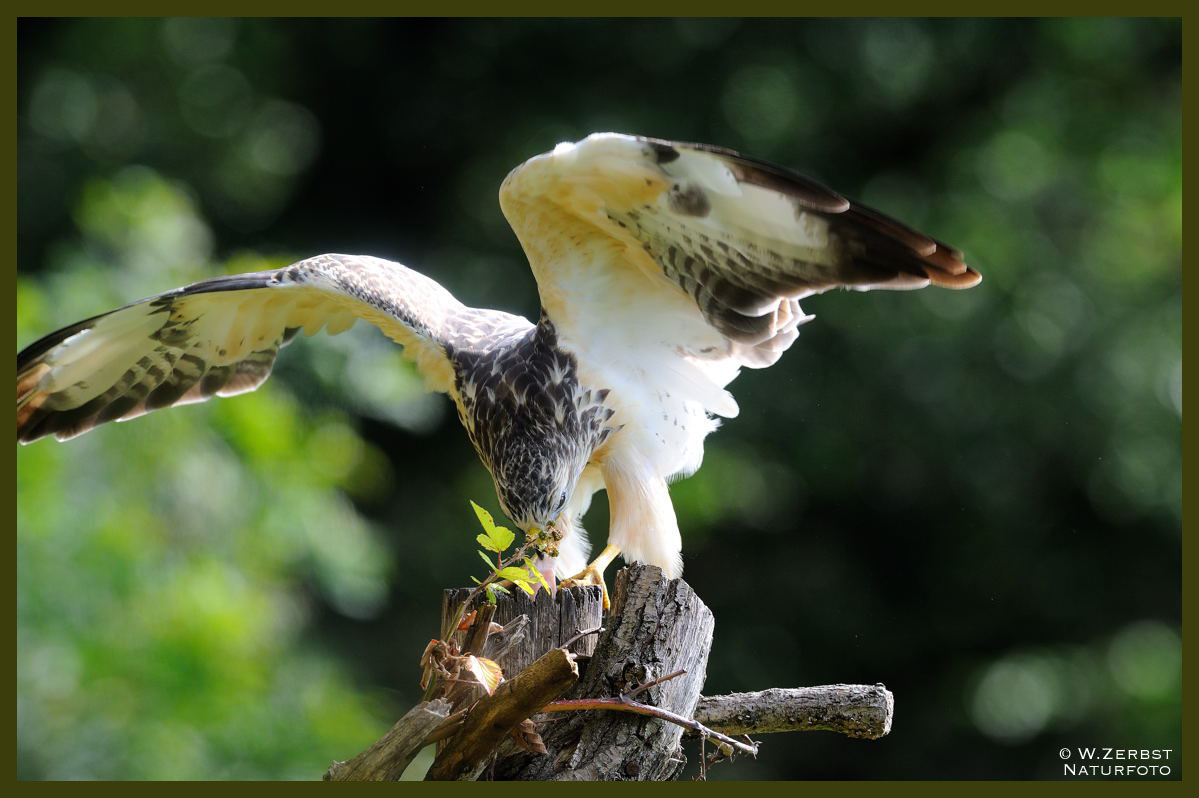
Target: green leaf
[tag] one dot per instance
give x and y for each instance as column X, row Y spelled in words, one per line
column 537, row 574
column 476, row 581
column 501, row 588
column 485, row 518
column 486, row 559
column 512, row 572
column 497, row 538
column 523, row 585
column 490, row 589
column 503, row 537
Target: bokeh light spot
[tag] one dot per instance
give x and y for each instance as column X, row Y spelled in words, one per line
column 215, row 100
column 199, row 40
column 762, row 103
column 63, row 105
column 1016, row 698
column 1146, row 659
column 284, row 138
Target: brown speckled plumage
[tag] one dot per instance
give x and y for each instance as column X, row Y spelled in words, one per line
column 521, row 403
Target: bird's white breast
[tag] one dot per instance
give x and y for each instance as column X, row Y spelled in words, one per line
column 665, row 399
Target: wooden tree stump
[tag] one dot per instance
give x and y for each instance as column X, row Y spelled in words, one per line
column 658, row 627
column 614, row 709
column 550, row 624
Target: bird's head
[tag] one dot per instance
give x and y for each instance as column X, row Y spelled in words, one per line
column 598, row 166
column 534, row 490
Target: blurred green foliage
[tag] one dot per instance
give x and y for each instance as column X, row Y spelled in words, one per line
column 973, row 497
column 158, row 602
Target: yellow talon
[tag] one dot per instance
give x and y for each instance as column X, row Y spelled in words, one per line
column 593, row 574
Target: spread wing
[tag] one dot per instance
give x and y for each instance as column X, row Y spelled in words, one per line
column 739, row 241
column 219, row 337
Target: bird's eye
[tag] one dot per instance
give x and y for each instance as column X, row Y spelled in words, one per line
column 562, row 500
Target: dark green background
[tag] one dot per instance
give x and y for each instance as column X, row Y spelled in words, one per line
column 973, row 497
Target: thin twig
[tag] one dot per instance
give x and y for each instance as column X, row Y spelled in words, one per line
column 625, row 705
column 460, row 613
column 501, row 563
column 582, row 634
column 659, row 680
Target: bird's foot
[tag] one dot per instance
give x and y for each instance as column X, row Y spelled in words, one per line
column 589, row 576
column 593, row 574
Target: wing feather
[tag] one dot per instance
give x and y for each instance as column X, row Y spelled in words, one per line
column 220, row 337
column 742, row 239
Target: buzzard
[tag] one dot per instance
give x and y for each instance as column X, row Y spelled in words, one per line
column 663, row 269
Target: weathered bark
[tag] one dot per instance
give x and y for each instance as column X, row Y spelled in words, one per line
column 386, row 759
column 656, row 627
column 552, row 621
column 494, row 716
column 855, row 710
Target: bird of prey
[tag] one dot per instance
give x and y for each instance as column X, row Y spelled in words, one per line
column 663, row 268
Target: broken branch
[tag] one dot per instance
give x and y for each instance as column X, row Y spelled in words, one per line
column 494, row 716
column 855, row 710
column 386, row 759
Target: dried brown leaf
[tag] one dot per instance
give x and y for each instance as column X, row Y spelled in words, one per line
column 526, row 737
column 487, row 672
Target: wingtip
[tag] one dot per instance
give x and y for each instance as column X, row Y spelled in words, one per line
column 967, row 279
